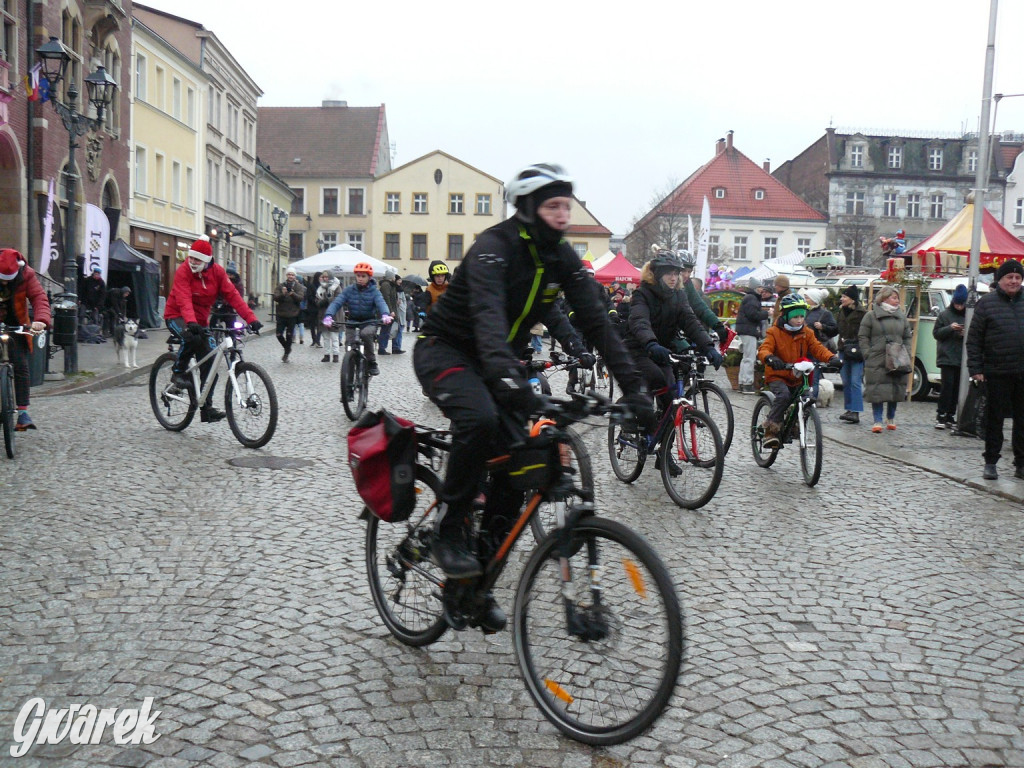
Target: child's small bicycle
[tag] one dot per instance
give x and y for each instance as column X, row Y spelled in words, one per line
column 801, row 423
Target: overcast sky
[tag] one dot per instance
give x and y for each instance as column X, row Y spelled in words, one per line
column 634, row 100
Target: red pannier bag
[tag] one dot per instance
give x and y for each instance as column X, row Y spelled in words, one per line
column 382, row 457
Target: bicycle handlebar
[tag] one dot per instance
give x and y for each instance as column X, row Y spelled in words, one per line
column 24, row 330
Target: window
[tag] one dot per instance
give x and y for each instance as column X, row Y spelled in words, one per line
column 895, row 157
column 454, row 247
column 190, row 188
column 803, row 244
column 419, row 205
column 1019, row 211
column 455, row 203
column 913, row 206
column 936, row 207
column 140, row 77
column 140, row 170
column 299, row 201
column 713, row 246
column 855, row 203
column 935, row 159
column 190, row 108
column 330, row 201
column 355, row 201
column 889, row 204
column 857, row 156
column 483, row 205
column 355, row 239
column 580, row 248
column 296, row 245
column 158, row 86
column 10, row 41
column 720, row 193
column 972, row 161
column 419, row 247
column 739, row 247
column 176, row 182
column 394, row 202
column 392, row 246
column 159, row 190
column 771, row 247
column 330, row 239
column 759, row 194
column 176, row 99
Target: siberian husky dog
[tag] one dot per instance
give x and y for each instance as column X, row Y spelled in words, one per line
column 826, row 389
column 126, row 342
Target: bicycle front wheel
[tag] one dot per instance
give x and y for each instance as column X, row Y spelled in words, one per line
column 405, row 584
column 543, row 520
column 252, row 414
column 173, row 407
column 627, row 451
column 692, row 460
column 348, row 385
column 599, row 640
column 362, row 386
column 7, row 407
column 764, row 457
column 811, row 450
column 713, row 400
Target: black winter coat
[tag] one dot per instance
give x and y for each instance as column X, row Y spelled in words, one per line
column 829, row 326
column 657, row 314
column 950, row 347
column 508, row 282
column 995, row 341
column 750, row 315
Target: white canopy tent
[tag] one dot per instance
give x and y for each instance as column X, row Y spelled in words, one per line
column 340, row 260
column 600, row 261
column 783, row 265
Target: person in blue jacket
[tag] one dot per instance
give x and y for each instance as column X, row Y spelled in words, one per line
column 363, row 303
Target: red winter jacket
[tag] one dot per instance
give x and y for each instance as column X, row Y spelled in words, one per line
column 193, row 295
column 26, row 290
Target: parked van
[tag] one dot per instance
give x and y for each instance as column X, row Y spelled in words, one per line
column 936, row 295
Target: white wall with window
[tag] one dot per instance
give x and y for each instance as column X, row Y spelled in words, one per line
column 739, row 248
column 355, row 239
column 894, row 157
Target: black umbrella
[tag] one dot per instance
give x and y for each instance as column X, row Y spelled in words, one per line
column 416, row 279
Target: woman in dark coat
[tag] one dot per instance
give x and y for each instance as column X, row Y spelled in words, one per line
column 949, row 335
column 884, row 323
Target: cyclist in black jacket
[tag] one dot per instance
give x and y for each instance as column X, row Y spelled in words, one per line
column 467, row 359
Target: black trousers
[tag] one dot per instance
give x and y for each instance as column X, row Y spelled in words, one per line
column 1005, row 398
column 658, row 377
column 192, row 346
column 17, row 349
column 450, row 379
column 949, row 395
column 286, row 331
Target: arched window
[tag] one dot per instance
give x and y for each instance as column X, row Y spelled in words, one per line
column 71, row 33
column 110, row 199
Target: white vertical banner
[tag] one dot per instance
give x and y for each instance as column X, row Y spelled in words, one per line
column 703, row 237
column 47, row 247
column 690, row 242
column 97, row 240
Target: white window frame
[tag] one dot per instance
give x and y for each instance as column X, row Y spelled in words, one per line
column 890, row 201
column 759, row 194
column 190, row 107
column 348, row 201
column 419, row 202
column 392, row 202
column 803, row 244
column 299, row 198
column 739, row 247
column 140, row 77
column 323, row 202
column 159, row 182
column 456, row 203
column 1019, row 212
column 937, row 205
column 972, row 161
column 483, row 205
column 771, row 247
column 176, row 98
column 330, row 239
column 141, row 186
column 719, row 193
column 857, row 156
column 190, row 187
column 895, row 159
column 854, row 201
column 355, row 239
column 934, row 159
column 158, row 86
column 714, row 242
column 913, row 206
column 176, row 182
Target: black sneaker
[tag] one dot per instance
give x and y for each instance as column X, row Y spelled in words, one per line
column 990, row 472
column 1019, row 473
column 209, row 413
column 325, row 359
column 284, row 357
column 181, row 381
column 398, row 352
column 383, row 352
column 374, row 369
column 491, row 619
column 451, row 553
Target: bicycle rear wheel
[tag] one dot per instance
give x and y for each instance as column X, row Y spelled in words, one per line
column 7, row 407
column 811, row 450
column 764, row 457
column 348, row 385
column 543, row 520
column 253, row 416
column 405, row 584
column 173, row 407
column 692, row 460
column 713, row 400
column 627, row 450
column 603, row 674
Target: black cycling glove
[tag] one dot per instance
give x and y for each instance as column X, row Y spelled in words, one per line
column 658, row 353
column 775, row 362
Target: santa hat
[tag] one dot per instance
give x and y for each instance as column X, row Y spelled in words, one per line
column 201, row 249
column 11, row 263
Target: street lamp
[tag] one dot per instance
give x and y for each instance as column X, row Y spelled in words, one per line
column 280, row 218
column 100, row 86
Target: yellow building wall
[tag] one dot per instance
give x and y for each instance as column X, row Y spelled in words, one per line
column 596, row 244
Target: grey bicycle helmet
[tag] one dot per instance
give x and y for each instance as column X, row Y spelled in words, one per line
column 534, row 177
column 688, row 260
column 665, row 259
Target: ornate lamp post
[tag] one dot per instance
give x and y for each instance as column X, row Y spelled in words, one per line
column 280, row 218
column 54, row 58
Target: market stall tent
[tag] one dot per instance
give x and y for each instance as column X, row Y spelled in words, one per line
column 997, row 243
column 618, row 270
column 126, row 266
column 340, row 260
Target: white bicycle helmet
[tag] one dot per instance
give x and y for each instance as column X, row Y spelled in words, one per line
column 533, row 177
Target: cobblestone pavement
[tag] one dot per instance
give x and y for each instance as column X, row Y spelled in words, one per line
column 875, row 620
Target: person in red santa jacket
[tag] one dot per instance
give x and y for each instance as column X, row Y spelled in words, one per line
column 20, row 289
column 198, row 283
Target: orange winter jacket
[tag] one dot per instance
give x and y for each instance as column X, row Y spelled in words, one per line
column 791, row 347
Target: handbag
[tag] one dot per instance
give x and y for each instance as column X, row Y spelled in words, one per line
column 852, row 352
column 382, row 457
column 897, row 359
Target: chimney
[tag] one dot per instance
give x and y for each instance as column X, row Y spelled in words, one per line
column 333, row 103
column 767, row 165
column 719, row 147
column 728, row 140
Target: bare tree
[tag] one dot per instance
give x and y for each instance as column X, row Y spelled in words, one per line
column 857, row 236
column 660, row 225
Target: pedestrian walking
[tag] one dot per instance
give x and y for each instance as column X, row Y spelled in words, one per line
column 884, row 324
column 391, row 289
column 329, row 287
column 995, row 355
column 750, row 320
column 948, row 333
column 288, row 296
column 823, row 323
column 848, row 320
column 312, row 315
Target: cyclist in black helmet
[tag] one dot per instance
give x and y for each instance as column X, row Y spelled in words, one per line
column 437, row 274
column 467, row 356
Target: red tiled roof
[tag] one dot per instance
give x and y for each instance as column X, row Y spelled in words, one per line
column 739, row 176
column 329, row 142
column 1009, row 154
column 589, row 229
